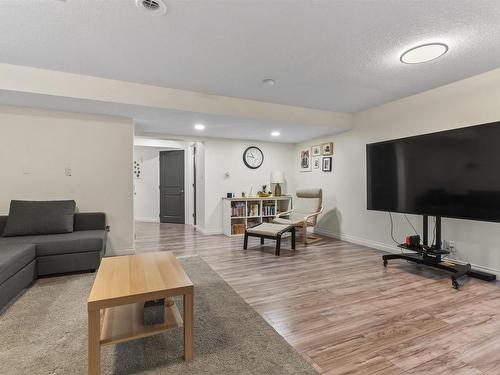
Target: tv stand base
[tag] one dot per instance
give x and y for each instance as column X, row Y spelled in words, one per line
column 457, row 270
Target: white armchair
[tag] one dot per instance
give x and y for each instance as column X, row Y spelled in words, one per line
column 307, row 205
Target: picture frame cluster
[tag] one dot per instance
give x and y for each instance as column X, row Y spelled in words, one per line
column 317, row 157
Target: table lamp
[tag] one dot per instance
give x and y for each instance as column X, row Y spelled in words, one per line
column 277, row 177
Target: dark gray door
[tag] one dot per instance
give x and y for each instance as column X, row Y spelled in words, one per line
column 172, row 186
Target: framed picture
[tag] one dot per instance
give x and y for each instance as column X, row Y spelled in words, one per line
column 316, row 162
column 327, row 148
column 305, row 160
column 316, row 150
column 327, row 164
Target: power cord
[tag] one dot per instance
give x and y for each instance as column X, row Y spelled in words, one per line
column 392, row 229
column 434, row 232
column 409, row 222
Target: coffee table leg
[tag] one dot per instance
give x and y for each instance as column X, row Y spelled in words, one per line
column 94, row 342
column 188, row 326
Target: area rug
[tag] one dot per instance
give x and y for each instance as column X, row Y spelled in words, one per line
column 45, row 332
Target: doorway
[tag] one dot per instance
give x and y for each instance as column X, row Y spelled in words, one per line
column 160, row 190
column 172, row 195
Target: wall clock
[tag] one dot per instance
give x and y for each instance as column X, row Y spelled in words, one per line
column 253, row 157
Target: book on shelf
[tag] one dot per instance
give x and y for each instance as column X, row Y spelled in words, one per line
column 238, row 209
column 268, row 210
column 253, row 209
column 238, row 228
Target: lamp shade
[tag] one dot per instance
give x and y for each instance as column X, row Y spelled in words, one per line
column 277, row 177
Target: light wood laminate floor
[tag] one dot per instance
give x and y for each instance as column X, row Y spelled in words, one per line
column 337, row 305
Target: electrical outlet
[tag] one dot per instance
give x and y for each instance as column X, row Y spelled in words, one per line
column 449, row 246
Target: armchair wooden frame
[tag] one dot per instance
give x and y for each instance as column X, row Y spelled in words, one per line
column 309, row 220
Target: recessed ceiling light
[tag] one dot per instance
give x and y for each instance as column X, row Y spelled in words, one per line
column 268, row 82
column 275, row 134
column 199, row 127
column 424, row 53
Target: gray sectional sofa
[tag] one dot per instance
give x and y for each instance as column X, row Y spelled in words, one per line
column 25, row 257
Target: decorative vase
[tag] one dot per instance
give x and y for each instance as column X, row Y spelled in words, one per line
column 277, row 190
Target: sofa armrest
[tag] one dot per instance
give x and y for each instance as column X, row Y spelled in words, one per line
column 89, row 221
column 3, row 221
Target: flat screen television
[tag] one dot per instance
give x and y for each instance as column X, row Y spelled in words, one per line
column 453, row 173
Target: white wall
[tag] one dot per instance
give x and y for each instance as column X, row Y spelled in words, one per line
column 472, row 101
column 146, row 192
column 221, row 156
column 36, row 146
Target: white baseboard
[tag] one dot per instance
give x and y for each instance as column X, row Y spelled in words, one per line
column 358, row 240
column 116, row 252
column 390, row 248
column 148, row 219
column 208, row 232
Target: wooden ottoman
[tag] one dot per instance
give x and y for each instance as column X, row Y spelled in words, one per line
column 271, row 231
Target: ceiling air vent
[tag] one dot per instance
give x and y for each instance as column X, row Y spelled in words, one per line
column 153, row 7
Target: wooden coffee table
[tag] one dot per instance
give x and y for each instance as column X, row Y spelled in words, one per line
column 115, row 304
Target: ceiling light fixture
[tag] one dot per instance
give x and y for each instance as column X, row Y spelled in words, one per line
column 199, row 127
column 275, row 134
column 424, row 53
column 268, row 82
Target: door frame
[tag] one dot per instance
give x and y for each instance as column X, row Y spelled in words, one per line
column 193, row 183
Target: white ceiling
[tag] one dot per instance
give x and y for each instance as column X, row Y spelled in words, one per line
column 340, row 55
column 150, row 120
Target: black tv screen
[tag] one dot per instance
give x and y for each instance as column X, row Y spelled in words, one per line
column 454, row 173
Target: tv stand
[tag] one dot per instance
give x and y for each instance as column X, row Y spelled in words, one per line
column 431, row 255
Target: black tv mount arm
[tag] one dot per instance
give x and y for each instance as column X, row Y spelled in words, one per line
column 437, row 246
column 432, row 256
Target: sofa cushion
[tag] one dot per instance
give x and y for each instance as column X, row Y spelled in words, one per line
column 89, row 221
column 39, row 217
column 13, row 257
column 66, row 243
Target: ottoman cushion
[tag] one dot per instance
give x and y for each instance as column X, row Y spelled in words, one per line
column 268, row 229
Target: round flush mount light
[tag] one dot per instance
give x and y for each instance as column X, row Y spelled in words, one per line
column 153, row 7
column 424, row 53
column 199, row 127
column 268, row 82
column 275, row 134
